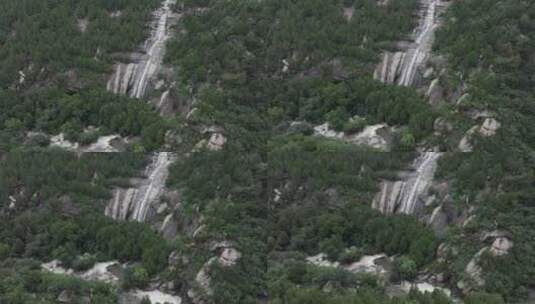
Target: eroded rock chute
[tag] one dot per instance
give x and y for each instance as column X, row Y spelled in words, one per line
column 134, row 77
column 135, row 203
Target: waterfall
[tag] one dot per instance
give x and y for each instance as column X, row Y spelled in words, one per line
column 403, row 196
column 135, row 203
column 132, row 79
column 400, row 67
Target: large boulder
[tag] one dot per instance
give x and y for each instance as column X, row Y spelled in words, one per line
column 501, row 246
column 169, row 227
column 442, row 126
column 435, row 93
column 465, row 145
column 489, row 127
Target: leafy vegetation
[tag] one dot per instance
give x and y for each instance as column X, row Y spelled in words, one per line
column 57, row 213
column 54, row 61
column 497, row 178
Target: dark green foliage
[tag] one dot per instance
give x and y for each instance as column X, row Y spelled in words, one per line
column 498, row 177
column 65, row 70
column 41, row 227
column 23, row 282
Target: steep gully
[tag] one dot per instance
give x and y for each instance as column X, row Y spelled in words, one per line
column 133, row 79
column 402, row 196
column 137, row 202
column 401, row 68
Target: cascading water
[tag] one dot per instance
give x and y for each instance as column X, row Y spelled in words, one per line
column 400, row 67
column 133, row 78
column 403, row 196
column 135, row 203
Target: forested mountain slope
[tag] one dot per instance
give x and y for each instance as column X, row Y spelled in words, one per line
column 55, row 58
column 310, row 151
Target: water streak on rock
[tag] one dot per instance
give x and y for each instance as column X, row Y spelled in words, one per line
column 135, row 203
column 403, row 196
column 133, row 78
column 401, row 67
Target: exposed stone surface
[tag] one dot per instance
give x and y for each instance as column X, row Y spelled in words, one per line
column 438, row 220
column 216, row 142
column 169, row 227
column 405, row 196
column 442, row 126
column 375, row 136
column 321, row 260
column 489, row 127
column 464, row 144
column 229, row 256
column 133, row 78
column 501, row 246
column 374, row 264
column 66, row 296
column 157, row 296
column 403, row 68
column 82, row 24
column 462, row 100
column 435, row 93
column 424, row 287
column 137, row 203
column 348, row 12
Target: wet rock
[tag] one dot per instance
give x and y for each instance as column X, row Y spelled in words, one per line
column 407, row 196
column 389, row 69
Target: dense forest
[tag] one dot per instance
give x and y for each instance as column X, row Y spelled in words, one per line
column 54, row 60
column 498, row 177
column 263, row 75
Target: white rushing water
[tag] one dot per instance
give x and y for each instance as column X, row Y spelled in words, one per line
column 133, row 78
column 400, row 67
column 135, row 203
column 403, row 196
